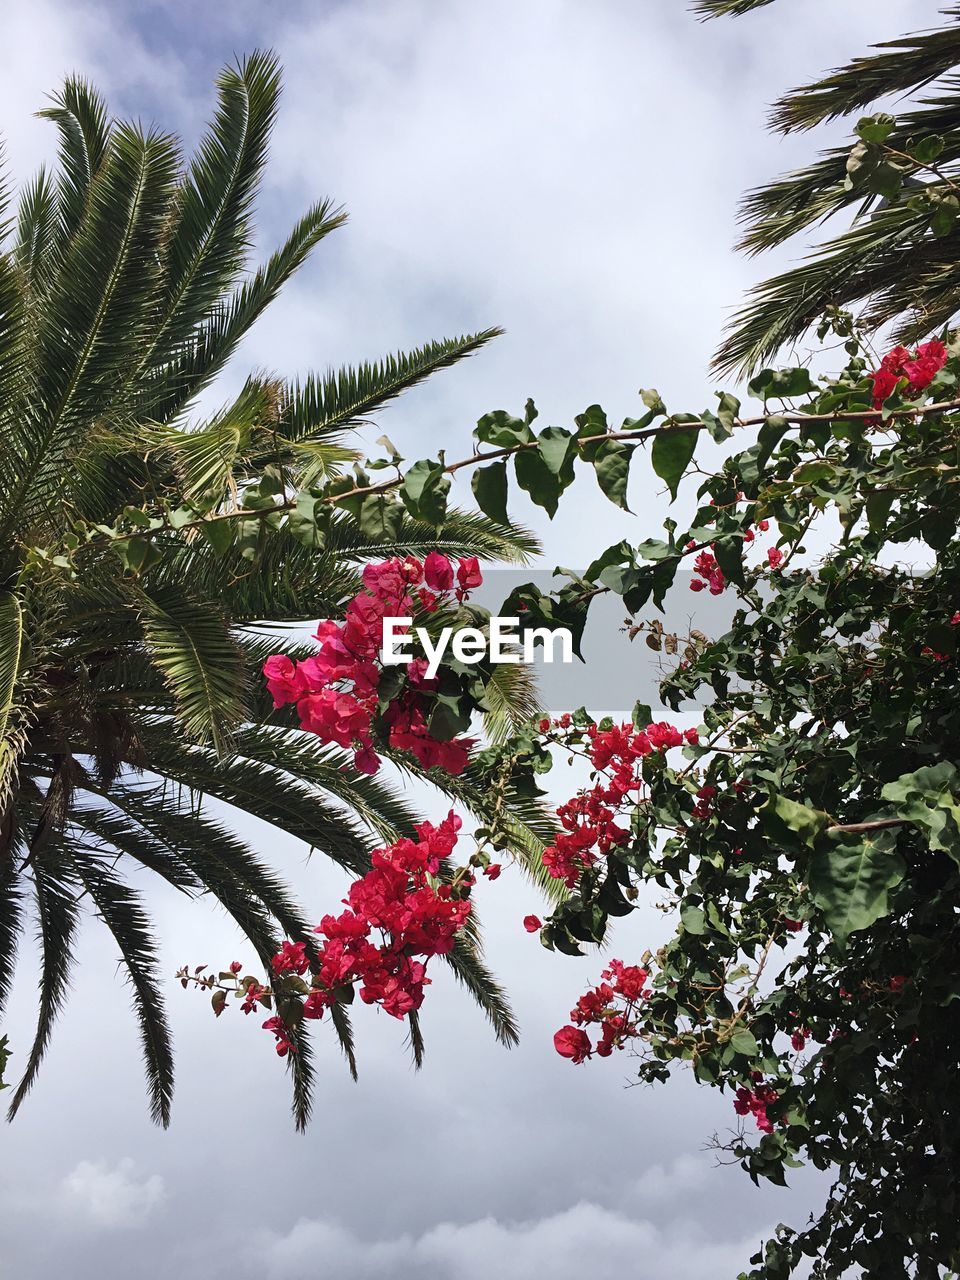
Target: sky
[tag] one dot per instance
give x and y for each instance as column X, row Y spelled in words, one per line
column 571, row 173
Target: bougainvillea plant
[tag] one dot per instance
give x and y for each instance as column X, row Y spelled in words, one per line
column 345, row 695
column 805, row 834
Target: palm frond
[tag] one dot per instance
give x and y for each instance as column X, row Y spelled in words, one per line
column 11, row 919
column 12, row 317
column 906, row 64
column 104, row 826
column 121, row 911
column 244, row 887
column 415, row 1038
column 211, row 237
column 266, row 792
column 5, row 194
column 303, row 757
column 192, row 645
column 205, row 458
column 172, row 380
column 727, row 8
column 340, row 1019
column 771, row 214
column 464, row 533
column 512, row 700
column 80, row 115
column 319, row 406
column 92, row 321
column 57, row 919
column 847, row 269
column 36, row 231
column 466, row 962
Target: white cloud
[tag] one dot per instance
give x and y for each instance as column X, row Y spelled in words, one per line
column 585, row 1239
column 112, row 1197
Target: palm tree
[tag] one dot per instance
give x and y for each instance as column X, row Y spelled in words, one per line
column 894, row 263
column 129, row 666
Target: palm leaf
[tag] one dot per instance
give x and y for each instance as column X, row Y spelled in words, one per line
column 192, row 646
column 121, row 911
column 209, row 243
column 80, row 115
column 172, row 380
column 36, row 231
column 512, row 700
column 57, row 918
column 92, row 321
column 466, row 961
column 11, row 920
column 727, row 8
column 906, row 64
column 319, row 406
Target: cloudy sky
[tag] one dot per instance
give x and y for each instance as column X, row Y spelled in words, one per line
column 569, row 171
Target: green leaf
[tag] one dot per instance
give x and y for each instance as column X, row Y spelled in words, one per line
column 381, row 517
column 768, row 437
column 693, row 920
column 945, row 215
column 875, row 128
column 928, row 798
column 424, row 492
column 783, row 384
column 137, row 554
column 927, row 149
column 728, row 552
column 745, row 1042
column 489, row 486
column 850, row 880
column 448, row 718
column 501, row 429
column 642, row 715
column 219, row 534
column 728, row 411
column 542, row 484
column 792, row 823
column 672, row 450
column 861, row 162
column 309, row 521
column 556, row 446
column 612, row 465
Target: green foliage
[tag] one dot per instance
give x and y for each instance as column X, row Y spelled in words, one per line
column 816, row 890
column 901, row 181
column 144, row 549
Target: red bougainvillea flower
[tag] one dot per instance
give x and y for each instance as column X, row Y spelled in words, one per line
column 468, row 573
column 291, row 958
column 611, row 1005
column 532, row 924
column 755, row 1102
column 572, row 1043
column 336, row 689
column 438, row 572
column 279, row 1029
column 589, row 820
column 919, row 369
column 396, row 919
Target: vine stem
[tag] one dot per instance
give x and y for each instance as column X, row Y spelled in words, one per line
column 491, row 455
